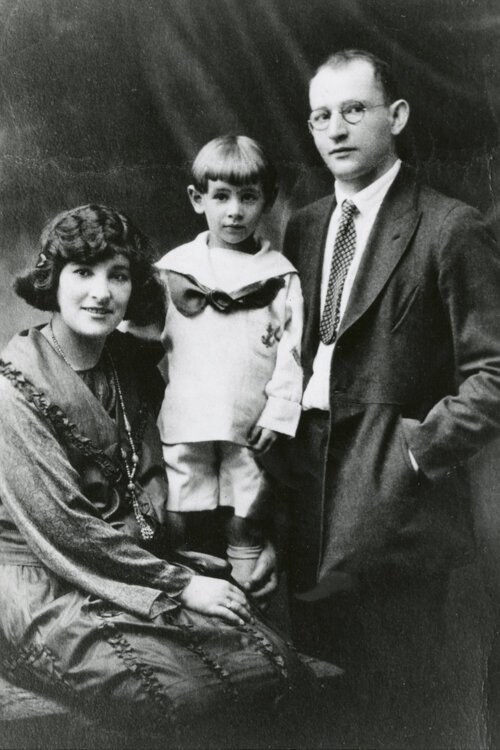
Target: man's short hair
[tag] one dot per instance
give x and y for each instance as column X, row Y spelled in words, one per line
column 381, row 68
column 236, row 159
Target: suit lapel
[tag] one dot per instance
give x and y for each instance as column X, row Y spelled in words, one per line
column 394, row 227
column 311, row 271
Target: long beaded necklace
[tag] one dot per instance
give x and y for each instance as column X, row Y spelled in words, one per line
column 130, row 466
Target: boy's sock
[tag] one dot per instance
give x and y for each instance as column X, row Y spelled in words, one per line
column 243, row 560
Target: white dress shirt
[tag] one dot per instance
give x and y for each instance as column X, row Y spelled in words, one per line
column 368, row 202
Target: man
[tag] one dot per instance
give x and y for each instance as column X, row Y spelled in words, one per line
column 401, row 353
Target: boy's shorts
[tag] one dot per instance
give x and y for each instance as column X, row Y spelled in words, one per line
column 206, row 475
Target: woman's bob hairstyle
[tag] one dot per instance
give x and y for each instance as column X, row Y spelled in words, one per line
column 90, row 234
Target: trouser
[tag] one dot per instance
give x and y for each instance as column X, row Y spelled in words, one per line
column 207, row 475
column 415, row 656
column 413, row 644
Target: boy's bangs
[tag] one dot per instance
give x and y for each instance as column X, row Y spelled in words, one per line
column 236, row 174
column 237, row 160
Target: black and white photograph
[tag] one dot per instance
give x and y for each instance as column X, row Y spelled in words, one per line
column 249, row 375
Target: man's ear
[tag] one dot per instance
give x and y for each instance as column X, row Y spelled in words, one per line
column 400, row 112
column 270, row 200
column 196, row 199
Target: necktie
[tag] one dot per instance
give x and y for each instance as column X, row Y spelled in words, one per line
column 343, row 253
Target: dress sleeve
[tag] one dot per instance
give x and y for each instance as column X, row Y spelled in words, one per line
column 42, row 494
column 284, row 391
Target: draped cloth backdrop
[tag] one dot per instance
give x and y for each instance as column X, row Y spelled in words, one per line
column 110, row 102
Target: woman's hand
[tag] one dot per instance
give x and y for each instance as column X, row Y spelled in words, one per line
column 212, row 596
column 260, row 439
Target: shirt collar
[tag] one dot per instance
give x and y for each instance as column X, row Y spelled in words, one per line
column 263, row 245
column 371, row 196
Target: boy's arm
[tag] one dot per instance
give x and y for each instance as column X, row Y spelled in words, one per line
column 284, row 391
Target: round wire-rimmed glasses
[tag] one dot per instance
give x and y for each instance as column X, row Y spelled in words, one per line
column 351, row 112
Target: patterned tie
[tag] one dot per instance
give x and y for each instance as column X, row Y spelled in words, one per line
column 343, row 253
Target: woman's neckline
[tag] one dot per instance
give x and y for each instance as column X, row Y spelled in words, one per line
column 52, row 338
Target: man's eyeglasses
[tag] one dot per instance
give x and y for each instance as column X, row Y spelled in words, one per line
column 352, row 113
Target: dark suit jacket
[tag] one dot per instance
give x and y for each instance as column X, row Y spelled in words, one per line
column 416, row 364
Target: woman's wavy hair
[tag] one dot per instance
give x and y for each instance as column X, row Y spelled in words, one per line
column 90, row 234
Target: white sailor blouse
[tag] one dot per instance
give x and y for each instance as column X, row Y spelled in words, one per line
column 232, row 336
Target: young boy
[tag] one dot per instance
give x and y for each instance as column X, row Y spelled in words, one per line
column 232, row 337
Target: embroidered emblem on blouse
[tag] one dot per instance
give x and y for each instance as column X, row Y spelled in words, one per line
column 272, row 336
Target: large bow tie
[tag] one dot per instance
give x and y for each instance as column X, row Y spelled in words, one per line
column 190, row 297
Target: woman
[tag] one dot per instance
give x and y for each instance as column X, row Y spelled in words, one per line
column 93, row 605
